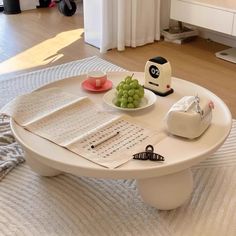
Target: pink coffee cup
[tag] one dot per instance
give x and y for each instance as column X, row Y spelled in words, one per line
column 97, row 78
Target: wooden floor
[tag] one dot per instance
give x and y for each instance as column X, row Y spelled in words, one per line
column 43, row 37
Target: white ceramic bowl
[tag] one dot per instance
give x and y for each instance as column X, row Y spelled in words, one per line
column 149, row 98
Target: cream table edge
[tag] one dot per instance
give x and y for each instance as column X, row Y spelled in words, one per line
column 120, row 173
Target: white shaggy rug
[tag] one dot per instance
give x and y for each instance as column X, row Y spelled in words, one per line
column 69, row 205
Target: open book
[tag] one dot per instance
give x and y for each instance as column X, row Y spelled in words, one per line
column 76, row 123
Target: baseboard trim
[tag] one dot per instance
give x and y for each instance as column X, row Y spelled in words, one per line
column 218, row 37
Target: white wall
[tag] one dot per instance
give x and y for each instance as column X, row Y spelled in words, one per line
column 165, row 13
column 28, row 4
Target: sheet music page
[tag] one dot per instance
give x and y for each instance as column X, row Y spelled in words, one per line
column 71, row 123
column 116, row 142
column 79, row 125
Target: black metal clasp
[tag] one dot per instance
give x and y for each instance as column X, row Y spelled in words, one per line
column 148, row 155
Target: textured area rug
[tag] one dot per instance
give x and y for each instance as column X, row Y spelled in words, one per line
column 69, row 205
column 12, row 87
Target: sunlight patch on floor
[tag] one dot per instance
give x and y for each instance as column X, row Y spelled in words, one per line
column 43, row 53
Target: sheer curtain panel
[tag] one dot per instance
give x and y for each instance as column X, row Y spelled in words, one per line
column 122, row 23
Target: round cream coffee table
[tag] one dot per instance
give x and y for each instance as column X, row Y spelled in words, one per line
column 164, row 185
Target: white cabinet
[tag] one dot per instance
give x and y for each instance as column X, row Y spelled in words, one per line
column 217, row 15
column 204, row 15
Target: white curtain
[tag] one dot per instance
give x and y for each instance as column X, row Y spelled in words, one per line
column 129, row 23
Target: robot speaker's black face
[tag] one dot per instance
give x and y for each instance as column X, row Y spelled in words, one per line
column 154, row 71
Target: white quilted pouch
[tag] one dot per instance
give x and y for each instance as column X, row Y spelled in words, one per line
column 189, row 117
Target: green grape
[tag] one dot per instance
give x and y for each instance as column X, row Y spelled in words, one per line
column 130, row 105
column 133, row 85
column 125, row 92
column 140, row 87
column 123, row 105
column 126, row 87
column 124, row 100
column 141, row 92
column 131, row 92
column 136, row 103
column 120, row 93
column 128, row 79
column 125, row 95
column 141, row 95
column 117, row 103
column 130, row 99
column 121, row 84
column 136, row 97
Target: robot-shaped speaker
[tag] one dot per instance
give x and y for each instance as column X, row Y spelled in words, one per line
column 158, row 76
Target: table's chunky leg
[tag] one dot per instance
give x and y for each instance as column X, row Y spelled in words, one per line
column 39, row 167
column 167, row 192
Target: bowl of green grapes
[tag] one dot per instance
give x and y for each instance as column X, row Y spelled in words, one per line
column 129, row 95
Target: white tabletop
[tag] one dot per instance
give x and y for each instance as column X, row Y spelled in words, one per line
column 179, row 153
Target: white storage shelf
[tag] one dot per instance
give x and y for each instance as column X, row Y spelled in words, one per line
column 205, row 15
